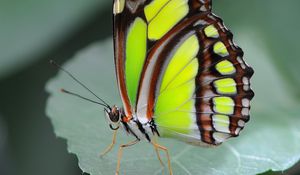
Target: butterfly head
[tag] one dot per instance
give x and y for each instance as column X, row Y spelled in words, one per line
column 113, row 115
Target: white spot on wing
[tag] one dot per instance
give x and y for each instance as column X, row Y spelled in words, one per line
column 241, row 123
column 241, row 62
column 220, row 137
column 200, row 22
column 246, row 83
column 237, row 131
column 203, row 8
column 246, row 80
column 245, row 111
column 246, row 102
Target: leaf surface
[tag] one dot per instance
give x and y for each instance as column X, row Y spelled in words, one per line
column 270, row 141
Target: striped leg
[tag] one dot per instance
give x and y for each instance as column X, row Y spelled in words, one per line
column 111, row 145
column 157, row 146
column 121, row 151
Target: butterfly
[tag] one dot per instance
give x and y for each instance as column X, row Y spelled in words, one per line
column 179, row 74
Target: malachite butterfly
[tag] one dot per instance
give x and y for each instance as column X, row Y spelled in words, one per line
column 179, row 73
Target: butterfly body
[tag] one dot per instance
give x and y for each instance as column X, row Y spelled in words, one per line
column 131, row 125
column 141, row 131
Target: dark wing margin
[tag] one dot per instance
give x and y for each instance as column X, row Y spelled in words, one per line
column 201, row 5
column 208, row 75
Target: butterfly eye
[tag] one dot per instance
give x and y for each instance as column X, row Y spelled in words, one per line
column 114, row 117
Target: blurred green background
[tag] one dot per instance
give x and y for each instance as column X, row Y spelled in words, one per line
column 34, row 31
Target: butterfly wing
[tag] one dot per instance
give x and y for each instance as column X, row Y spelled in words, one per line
column 130, row 47
column 176, row 64
column 195, row 83
column 208, row 93
column 138, row 25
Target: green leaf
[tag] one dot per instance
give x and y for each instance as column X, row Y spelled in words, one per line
column 33, row 28
column 270, row 141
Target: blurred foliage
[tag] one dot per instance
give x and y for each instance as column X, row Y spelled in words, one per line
column 4, row 155
column 31, row 28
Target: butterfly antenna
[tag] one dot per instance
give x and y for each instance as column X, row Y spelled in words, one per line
column 80, row 96
column 52, row 62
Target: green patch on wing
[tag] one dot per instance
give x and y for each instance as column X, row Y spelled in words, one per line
column 177, row 89
column 136, row 49
column 274, row 123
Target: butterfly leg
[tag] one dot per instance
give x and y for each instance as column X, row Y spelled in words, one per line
column 157, row 146
column 158, row 156
column 154, row 140
column 111, row 145
column 121, row 152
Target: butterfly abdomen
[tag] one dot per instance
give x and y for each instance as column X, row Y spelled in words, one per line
column 140, row 130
